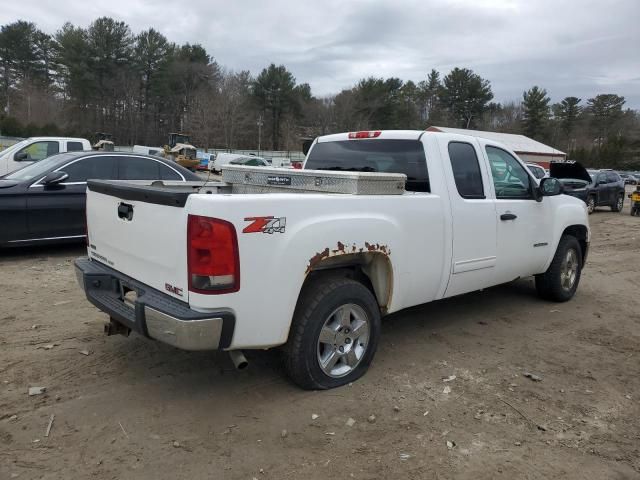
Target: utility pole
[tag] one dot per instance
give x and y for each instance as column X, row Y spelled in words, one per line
column 260, row 123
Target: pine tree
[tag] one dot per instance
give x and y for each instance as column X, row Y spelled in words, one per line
column 536, row 112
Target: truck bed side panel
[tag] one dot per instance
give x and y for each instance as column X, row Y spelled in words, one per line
column 408, row 229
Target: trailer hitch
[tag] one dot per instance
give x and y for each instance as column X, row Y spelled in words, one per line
column 116, row 328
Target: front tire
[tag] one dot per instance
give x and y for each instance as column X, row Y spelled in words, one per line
column 619, row 204
column 560, row 282
column 334, row 334
column 591, row 204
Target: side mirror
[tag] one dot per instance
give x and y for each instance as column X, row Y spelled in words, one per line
column 306, row 145
column 53, row 178
column 21, row 156
column 550, row 187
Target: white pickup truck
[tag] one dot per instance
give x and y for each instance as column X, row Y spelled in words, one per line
column 219, row 267
column 34, row 149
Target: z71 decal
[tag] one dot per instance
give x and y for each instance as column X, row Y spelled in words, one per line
column 265, row 225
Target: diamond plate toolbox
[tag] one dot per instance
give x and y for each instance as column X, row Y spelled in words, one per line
column 270, row 179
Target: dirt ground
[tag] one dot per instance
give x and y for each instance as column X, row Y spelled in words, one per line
column 133, row 408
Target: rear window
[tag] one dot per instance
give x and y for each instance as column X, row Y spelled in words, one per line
column 385, row 156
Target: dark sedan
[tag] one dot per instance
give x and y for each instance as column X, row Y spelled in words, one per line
column 45, row 202
column 596, row 188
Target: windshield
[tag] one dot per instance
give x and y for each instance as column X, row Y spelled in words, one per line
column 388, row 156
column 37, row 169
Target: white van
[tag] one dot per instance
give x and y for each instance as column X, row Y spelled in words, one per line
column 281, row 162
column 34, row 149
column 148, row 150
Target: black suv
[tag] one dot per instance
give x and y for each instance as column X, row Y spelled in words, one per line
column 598, row 188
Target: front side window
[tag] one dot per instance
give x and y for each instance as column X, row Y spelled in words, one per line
column 612, row 177
column 510, row 178
column 98, row 168
column 466, row 170
column 388, row 156
column 39, row 151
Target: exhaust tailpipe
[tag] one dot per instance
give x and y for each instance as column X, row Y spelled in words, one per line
column 238, row 359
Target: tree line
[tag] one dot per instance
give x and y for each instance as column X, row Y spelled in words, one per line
column 140, row 87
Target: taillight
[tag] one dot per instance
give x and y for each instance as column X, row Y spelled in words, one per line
column 365, row 134
column 213, row 262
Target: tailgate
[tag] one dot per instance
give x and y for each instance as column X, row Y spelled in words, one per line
column 140, row 233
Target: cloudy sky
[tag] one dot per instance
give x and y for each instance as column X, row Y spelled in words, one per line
column 569, row 47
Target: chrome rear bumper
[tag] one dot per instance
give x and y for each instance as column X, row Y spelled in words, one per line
column 153, row 314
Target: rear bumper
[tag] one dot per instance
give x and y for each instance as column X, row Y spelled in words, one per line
column 153, row 314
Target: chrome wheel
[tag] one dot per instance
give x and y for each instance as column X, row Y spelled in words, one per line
column 591, row 204
column 569, row 270
column 343, row 340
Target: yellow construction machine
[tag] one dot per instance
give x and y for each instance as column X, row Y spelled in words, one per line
column 180, row 150
column 104, row 142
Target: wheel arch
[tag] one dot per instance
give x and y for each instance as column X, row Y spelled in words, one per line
column 372, row 269
column 581, row 233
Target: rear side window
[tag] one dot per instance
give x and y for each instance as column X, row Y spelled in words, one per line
column 466, row 170
column 74, row 147
column 99, row 168
column 167, row 173
column 137, row 168
column 386, row 156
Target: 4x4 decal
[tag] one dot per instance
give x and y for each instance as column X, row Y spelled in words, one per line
column 265, row 225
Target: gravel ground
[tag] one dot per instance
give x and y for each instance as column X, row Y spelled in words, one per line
column 131, row 408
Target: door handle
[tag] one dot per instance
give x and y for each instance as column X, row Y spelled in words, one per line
column 508, row 216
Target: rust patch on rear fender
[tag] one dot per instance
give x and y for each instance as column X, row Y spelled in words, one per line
column 342, row 249
column 317, row 258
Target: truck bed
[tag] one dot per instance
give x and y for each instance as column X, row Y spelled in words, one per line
column 150, row 244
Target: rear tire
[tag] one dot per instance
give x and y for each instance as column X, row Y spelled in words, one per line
column 619, row 204
column 560, row 282
column 334, row 334
column 591, row 204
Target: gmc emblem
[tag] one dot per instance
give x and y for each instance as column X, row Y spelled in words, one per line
column 172, row 289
